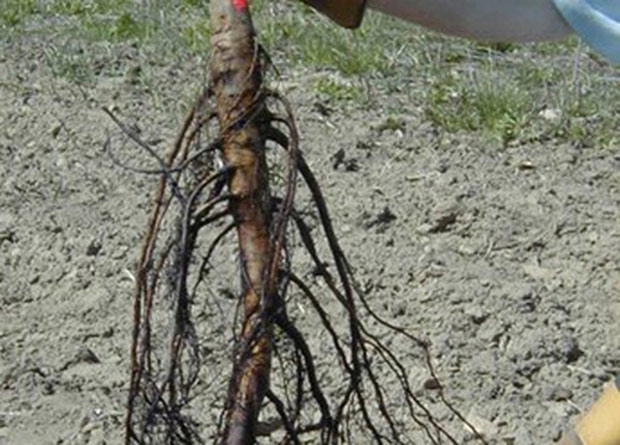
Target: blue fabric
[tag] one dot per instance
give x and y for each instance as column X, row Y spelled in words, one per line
column 596, row 21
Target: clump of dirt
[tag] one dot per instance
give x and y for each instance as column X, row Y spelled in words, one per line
column 505, row 258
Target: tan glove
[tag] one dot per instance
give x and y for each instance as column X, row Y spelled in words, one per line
column 601, row 425
column 347, row 13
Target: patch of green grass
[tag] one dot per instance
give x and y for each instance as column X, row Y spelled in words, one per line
column 526, row 93
column 498, row 91
column 69, row 7
column 349, row 53
column 72, row 65
column 102, row 20
column 196, row 36
column 125, row 26
column 86, row 7
column 588, row 117
column 338, row 90
column 490, row 105
column 14, row 12
column 195, row 3
column 567, row 47
column 538, row 75
column 307, row 39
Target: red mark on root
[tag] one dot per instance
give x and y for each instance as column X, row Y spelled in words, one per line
column 240, row 4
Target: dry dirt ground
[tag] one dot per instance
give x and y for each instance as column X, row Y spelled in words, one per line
column 506, row 258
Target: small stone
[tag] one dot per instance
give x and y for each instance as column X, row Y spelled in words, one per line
column 550, row 114
column 48, row 388
column 93, row 247
column 526, row 300
column 483, row 427
column 424, row 229
column 528, row 368
column 476, row 314
column 443, row 165
column 592, row 237
column 399, row 309
column 466, row 250
column 86, row 355
column 432, row 384
column 384, row 217
column 83, row 355
column 119, row 253
column 134, row 74
column 491, row 391
column 443, row 216
column 568, row 349
column 84, row 423
column 526, row 165
column 338, row 158
column 537, row 272
column 56, row 131
column 382, row 220
column 557, row 393
column 490, row 332
column 509, row 439
column 322, row 109
column 351, row 165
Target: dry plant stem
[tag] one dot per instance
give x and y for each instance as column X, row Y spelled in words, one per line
column 235, row 74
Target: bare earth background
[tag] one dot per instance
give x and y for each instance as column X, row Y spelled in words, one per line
column 497, row 239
